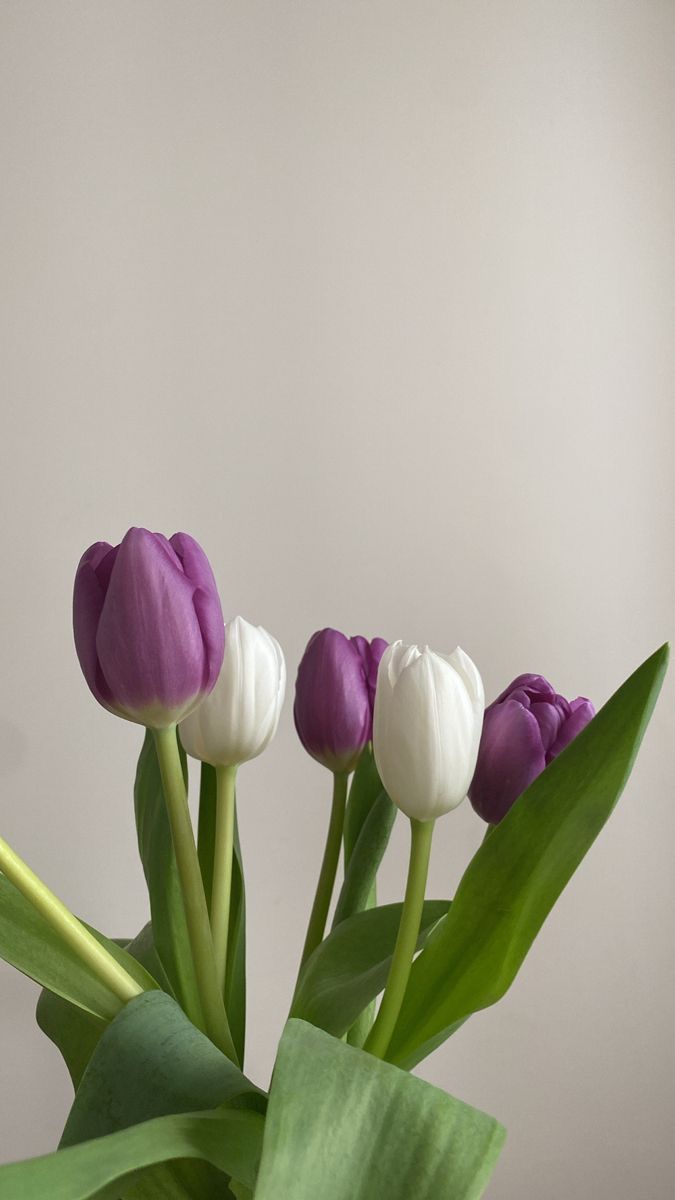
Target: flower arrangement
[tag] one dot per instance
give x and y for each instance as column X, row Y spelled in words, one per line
column 152, row 1031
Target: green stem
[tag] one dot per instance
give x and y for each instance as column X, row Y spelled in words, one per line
column 222, row 867
column 192, row 888
column 67, row 926
column 331, row 857
column 378, row 1040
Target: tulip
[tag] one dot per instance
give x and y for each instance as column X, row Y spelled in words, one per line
column 525, row 728
column 240, row 716
column 426, row 730
column 150, row 638
column 334, row 696
column 427, row 725
column 232, row 725
column 148, row 626
column 333, row 711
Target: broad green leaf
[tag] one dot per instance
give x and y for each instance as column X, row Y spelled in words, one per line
column 351, row 966
column 151, row 1061
column 161, row 873
column 519, row 871
column 30, row 944
column 365, row 788
column 229, row 1139
column 365, row 859
column 342, row 1125
column 235, row 987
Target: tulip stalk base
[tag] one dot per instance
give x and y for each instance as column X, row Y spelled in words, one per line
column 222, row 867
column 329, row 865
column 66, row 925
column 378, row 1040
column 196, row 911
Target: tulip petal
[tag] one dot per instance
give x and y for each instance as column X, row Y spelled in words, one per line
column 371, row 653
column 149, row 640
column 238, row 719
column 332, row 710
column 534, row 685
column 511, row 756
column 549, row 718
column 209, row 613
column 581, row 712
column 88, row 599
column 469, row 672
column 426, row 731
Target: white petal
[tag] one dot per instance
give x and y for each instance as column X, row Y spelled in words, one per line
column 427, row 729
column 240, row 716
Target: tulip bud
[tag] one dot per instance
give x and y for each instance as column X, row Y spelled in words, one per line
column 148, row 626
column 525, row 728
column 334, row 695
column 240, row 716
column 428, row 717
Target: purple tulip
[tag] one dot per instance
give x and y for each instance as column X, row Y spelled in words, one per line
column 334, row 697
column 148, row 626
column 523, row 730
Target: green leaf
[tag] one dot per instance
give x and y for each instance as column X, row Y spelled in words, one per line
column 365, row 859
column 151, row 1061
column 143, row 949
column 235, row 987
column 229, row 1139
column 74, row 1032
column 342, row 1125
column 159, row 864
column 519, row 871
column 29, row 943
column 365, row 788
column 351, row 966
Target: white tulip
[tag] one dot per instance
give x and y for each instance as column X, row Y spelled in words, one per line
column 426, row 729
column 238, row 719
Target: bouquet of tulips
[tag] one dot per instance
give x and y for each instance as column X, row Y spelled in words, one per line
column 152, row 1030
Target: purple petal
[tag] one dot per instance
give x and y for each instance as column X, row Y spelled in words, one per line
column 332, row 709
column 88, row 597
column 549, row 715
column 581, row 712
column 149, row 640
column 371, row 653
column 206, row 601
column 510, row 756
column 521, row 695
column 533, row 685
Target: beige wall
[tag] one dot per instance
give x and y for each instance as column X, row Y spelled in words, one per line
column 375, row 299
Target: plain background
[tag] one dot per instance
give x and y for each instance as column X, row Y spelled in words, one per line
column 375, row 299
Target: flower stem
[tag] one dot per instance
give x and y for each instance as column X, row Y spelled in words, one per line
column 222, row 867
column 331, row 857
column 69, row 929
column 378, row 1040
column 192, row 888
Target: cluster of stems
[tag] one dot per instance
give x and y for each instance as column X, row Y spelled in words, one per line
column 208, row 932
column 421, row 833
